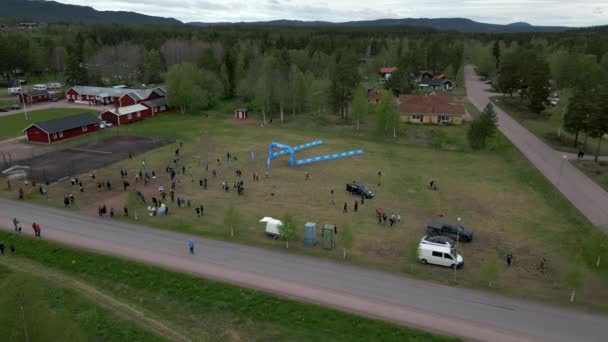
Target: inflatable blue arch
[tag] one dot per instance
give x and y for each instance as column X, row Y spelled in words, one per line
column 286, row 149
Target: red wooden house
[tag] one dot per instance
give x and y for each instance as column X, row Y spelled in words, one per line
column 120, row 96
column 157, row 106
column 63, row 128
column 34, row 96
column 127, row 115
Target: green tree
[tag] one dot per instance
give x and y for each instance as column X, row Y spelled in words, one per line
column 288, row 230
column 346, row 238
column 360, row 105
column 190, row 88
column 509, row 78
column 76, row 72
column 153, row 67
column 598, row 119
column 344, row 76
column 575, row 118
column 482, row 128
column 232, row 219
column 387, row 115
column 496, row 53
column 537, row 81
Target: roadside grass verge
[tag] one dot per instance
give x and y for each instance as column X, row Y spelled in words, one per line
column 52, row 313
column 209, row 310
column 547, row 126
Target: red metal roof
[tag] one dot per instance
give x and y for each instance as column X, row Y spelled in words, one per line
column 430, row 104
column 388, row 70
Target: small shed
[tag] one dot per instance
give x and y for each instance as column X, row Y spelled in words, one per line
column 241, row 114
column 328, row 235
column 310, row 234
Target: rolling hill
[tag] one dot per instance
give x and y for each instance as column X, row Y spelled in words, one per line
column 447, row 24
column 51, row 11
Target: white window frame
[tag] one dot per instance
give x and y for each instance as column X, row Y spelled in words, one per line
column 54, row 135
column 129, row 116
column 443, row 118
column 85, row 128
column 138, row 114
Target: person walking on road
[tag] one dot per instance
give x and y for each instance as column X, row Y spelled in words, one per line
column 15, row 221
column 191, row 246
column 36, row 228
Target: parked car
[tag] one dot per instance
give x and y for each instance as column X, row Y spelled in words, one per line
column 359, row 189
column 438, row 240
column 453, row 231
column 439, row 255
column 105, row 124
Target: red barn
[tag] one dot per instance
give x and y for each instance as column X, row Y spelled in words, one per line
column 121, row 96
column 241, row 114
column 62, row 128
column 157, row 106
column 127, row 115
column 34, row 96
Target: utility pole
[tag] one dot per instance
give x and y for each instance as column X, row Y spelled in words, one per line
column 27, row 118
column 456, row 248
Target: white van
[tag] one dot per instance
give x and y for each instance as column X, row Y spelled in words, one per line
column 439, row 255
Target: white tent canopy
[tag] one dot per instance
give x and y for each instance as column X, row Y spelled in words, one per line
column 272, row 225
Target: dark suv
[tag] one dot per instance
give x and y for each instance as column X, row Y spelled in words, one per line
column 453, row 231
column 359, row 189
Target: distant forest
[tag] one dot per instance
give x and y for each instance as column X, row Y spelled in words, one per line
column 289, row 69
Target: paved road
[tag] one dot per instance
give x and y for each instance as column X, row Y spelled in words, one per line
column 454, row 311
column 54, row 105
column 581, row 191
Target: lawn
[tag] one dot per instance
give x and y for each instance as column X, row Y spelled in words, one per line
column 12, row 126
column 198, row 308
column 52, row 313
column 508, row 204
column 548, row 125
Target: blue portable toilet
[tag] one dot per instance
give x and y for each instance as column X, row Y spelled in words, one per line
column 310, row 234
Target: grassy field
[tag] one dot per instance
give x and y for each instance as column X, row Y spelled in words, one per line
column 547, row 125
column 53, row 313
column 199, row 309
column 508, row 204
column 12, row 126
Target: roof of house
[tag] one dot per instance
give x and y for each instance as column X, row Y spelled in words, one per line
column 433, row 81
column 138, row 94
column 388, row 70
column 161, row 101
column 430, row 104
column 131, row 109
column 34, row 93
column 241, row 110
column 66, row 123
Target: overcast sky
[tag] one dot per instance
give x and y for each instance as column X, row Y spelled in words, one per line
column 536, row 12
